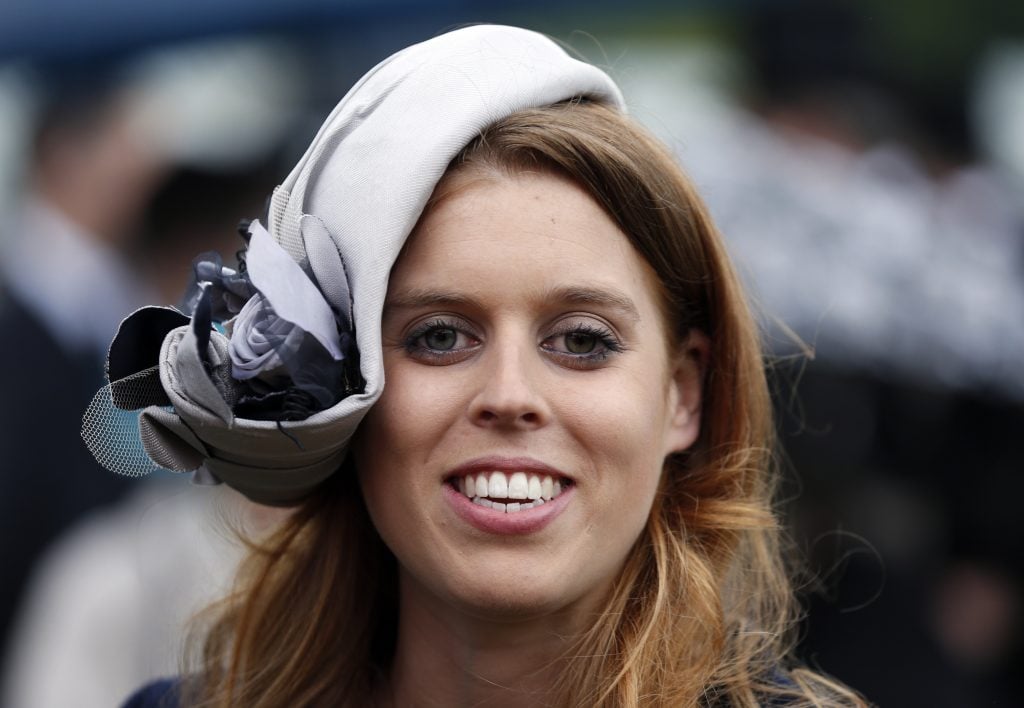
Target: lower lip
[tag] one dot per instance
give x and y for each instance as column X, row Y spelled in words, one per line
column 504, row 523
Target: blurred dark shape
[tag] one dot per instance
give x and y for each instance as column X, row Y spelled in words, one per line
column 976, row 615
column 79, row 189
column 802, row 46
column 908, row 477
column 919, row 598
column 62, row 28
column 828, row 64
column 198, row 210
column 101, row 563
column 109, row 222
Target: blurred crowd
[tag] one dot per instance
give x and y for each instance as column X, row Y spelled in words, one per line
column 881, row 234
column 132, row 167
column 880, row 230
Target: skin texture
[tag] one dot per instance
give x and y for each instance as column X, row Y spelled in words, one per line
column 520, row 323
column 101, row 176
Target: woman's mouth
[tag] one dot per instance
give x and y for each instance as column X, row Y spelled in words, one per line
column 509, row 493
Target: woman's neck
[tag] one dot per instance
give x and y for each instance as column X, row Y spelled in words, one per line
column 446, row 656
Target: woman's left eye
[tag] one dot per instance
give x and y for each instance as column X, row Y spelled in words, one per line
column 581, row 342
column 581, row 345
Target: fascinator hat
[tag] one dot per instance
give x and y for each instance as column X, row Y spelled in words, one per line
column 262, row 380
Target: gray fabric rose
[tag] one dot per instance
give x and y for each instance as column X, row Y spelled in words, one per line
column 259, row 341
column 268, row 333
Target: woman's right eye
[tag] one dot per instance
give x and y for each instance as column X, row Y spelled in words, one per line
column 441, row 339
column 440, row 342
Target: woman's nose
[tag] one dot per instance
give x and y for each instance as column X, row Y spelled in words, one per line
column 510, row 392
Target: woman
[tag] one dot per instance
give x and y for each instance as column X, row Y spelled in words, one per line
column 562, row 496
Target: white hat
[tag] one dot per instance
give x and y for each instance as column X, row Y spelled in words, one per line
column 341, row 218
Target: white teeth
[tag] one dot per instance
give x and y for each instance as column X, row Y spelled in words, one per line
column 518, row 486
column 497, row 486
column 508, row 508
column 534, row 492
column 546, row 488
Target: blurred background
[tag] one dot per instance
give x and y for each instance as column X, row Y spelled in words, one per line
column 864, row 160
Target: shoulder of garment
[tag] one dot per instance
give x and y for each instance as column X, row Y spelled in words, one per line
column 162, row 693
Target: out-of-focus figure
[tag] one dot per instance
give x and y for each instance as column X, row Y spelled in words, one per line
column 133, row 173
column 66, row 284
column 138, row 570
column 865, row 221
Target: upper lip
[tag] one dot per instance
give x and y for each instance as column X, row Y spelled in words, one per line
column 492, row 463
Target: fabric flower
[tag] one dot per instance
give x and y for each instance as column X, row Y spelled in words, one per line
column 287, row 323
column 187, row 385
column 259, row 339
column 229, row 289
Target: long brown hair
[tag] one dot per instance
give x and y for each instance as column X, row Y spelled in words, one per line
column 702, row 612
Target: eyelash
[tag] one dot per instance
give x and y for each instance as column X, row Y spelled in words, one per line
column 418, row 349
column 608, row 343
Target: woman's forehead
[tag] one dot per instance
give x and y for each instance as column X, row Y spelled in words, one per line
column 528, row 216
column 534, row 233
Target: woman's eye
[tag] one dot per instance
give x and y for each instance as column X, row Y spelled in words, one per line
column 581, row 345
column 441, row 339
column 581, row 342
column 440, row 342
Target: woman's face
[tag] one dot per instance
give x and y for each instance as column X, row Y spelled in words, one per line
column 524, row 349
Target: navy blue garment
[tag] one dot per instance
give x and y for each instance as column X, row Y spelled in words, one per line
column 48, row 479
column 165, row 693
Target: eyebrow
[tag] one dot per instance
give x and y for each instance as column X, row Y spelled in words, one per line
column 573, row 295
column 419, row 297
column 595, row 296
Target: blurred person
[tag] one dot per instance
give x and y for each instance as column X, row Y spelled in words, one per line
column 107, row 606
column 82, row 635
column 65, row 285
column 865, row 226
column 866, row 229
column 922, row 252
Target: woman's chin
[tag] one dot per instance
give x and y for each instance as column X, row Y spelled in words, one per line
column 510, row 604
column 506, row 598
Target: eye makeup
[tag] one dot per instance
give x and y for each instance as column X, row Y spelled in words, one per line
column 575, row 342
column 582, row 344
column 440, row 340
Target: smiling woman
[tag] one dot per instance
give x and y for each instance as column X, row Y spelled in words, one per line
column 562, row 495
column 529, row 333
